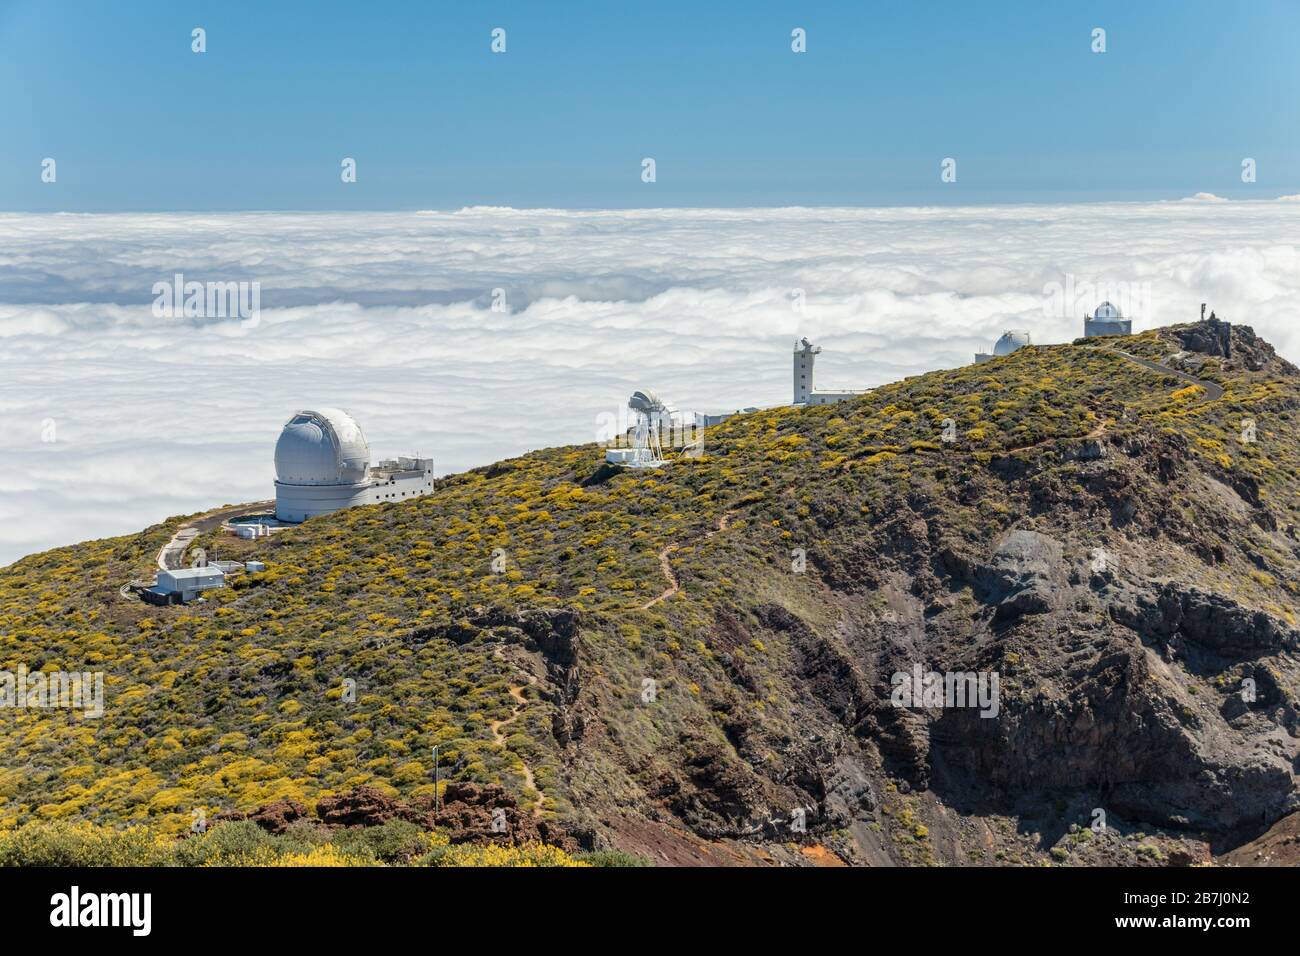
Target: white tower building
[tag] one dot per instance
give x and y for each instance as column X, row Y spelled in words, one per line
column 322, row 464
column 805, row 390
column 805, row 356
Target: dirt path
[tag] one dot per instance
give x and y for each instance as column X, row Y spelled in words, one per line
column 1094, row 434
column 667, row 569
column 499, row 738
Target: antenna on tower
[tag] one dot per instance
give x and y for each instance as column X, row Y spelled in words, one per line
column 650, row 412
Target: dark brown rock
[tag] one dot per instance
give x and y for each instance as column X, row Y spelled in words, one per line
column 359, row 807
column 276, row 817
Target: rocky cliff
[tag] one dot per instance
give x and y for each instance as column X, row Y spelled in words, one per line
column 1084, row 559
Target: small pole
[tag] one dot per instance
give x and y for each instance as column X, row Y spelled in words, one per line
column 437, row 802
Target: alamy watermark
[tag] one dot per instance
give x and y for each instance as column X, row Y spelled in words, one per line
column 45, row 690
column 1080, row 295
column 923, row 689
column 208, row 300
column 75, row 908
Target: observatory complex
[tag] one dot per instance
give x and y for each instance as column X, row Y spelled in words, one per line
column 643, row 445
column 322, row 464
column 1011, row 340
column 1106, row 320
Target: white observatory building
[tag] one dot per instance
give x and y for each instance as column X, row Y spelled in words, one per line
column 1106, row 320
column 805, row 392
column 652, row 420
column 322, row 464
column 1011, row 340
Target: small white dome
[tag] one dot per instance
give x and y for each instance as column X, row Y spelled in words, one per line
column 1011, row 340
column 1107, row 313
column 324, row 447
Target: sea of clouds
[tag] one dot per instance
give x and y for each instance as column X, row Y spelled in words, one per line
column 115, row 419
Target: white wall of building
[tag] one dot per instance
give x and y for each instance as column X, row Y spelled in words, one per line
column 296, row 503
column 300, row 502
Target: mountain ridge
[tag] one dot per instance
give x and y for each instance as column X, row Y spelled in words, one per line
column 705, row 651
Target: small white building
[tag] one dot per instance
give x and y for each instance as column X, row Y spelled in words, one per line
column 182, row 585
column 655, row 425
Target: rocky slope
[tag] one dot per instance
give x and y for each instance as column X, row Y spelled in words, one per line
column 698, row 665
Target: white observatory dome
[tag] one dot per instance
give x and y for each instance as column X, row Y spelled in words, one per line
column 1011, row 340
column 1107, row 313
column 324, row 447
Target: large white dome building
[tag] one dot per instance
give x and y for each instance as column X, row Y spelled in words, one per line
column 322, row 464
column 322, row 448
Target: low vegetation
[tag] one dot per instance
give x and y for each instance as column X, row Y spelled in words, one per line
column 241, row 843
column 349, row 659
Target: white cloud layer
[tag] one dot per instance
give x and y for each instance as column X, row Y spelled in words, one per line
column 389, row 316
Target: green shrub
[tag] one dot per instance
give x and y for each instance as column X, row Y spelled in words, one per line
column 223, row 842
column 81, row 844
column 395, row 841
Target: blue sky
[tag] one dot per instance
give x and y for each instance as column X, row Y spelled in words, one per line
column 712, row 91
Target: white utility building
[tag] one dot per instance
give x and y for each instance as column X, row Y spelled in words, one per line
column 322, row 464
column 182, row 585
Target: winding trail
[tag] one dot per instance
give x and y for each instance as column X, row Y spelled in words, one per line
column 173, row 552
column 667, row 569
column 499, row 738
column 1094, row 434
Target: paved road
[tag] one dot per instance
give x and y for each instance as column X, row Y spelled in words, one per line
column 1213, row 392
column 173, row 552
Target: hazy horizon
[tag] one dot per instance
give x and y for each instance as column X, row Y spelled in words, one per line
column 391, row 316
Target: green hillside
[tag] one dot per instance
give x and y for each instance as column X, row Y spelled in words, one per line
column 770, row 685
